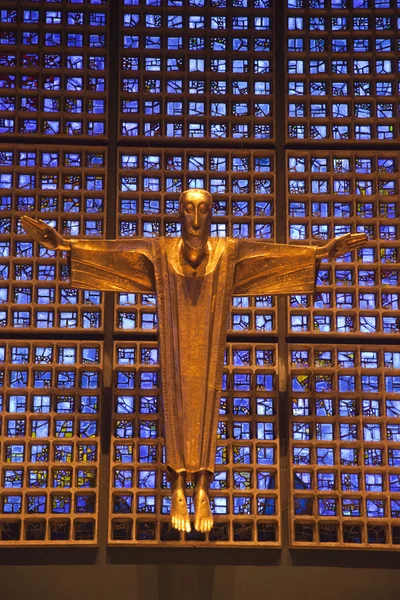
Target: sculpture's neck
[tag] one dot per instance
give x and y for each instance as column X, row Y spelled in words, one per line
column 193, row 256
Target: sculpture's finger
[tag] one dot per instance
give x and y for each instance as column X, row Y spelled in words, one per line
column 35, row 229
column 356, row 243
column 358, row 239
column 36, row 224
column 359, row 236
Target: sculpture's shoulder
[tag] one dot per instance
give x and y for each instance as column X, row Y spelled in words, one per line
column 248, row 248
column 221, row 249
column 223, row 245
column 167, row 247
column 168, row 243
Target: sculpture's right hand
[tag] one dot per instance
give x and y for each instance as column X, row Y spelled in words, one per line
column 44, row 234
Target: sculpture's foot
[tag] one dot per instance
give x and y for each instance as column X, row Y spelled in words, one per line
column 204, row 520
column 179, row 512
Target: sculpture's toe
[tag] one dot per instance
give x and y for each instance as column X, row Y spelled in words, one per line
column 206, row 525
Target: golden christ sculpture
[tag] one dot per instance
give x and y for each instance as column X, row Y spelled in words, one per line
column 194, row 277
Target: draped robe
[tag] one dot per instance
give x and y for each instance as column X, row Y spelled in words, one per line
column 193, row 310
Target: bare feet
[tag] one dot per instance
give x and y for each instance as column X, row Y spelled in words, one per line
column 204, row 520
column 179, row 512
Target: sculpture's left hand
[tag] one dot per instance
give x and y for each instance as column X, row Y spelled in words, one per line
column 44, row 234
column 341, row 245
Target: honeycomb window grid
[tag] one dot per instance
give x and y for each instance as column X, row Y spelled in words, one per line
column 243, row 187
column 65, row 187
column 332, row 193
column 344, row 446
column 49, row 442
column 191, row 75
column 342, row 71
column 61, row 55
column 245, row 491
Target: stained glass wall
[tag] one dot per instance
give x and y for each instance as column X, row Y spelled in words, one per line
column 196, row 95
column 336, row 193
column 196, row 70
column 108, row 110
column 342, row 70
column 245, row 491
column 345, row 448
column 342, row 81
column 53, row 68
column 64, row 187
column 53, row 93
column 50, row 396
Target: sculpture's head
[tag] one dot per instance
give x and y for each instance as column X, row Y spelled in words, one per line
column 195, row 212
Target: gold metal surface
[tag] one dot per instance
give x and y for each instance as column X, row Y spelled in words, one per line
column 194, row 278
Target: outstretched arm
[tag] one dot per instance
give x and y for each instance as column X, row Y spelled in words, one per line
column 268, row 268
column 45, row 235
column 105, row 265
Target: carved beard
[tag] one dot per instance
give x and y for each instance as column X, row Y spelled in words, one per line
column 196, row 240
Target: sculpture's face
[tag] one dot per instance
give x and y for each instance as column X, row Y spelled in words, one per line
column 195, row 212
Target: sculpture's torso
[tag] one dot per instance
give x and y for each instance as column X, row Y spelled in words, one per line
column 193, row 306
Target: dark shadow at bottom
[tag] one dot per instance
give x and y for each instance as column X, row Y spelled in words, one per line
column 48, row 556
column 366, row 559
column 198, row 556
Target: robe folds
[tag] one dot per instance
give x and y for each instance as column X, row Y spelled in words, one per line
column 193, row 309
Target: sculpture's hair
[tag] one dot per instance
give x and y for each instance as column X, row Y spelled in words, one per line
column 197, row 194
